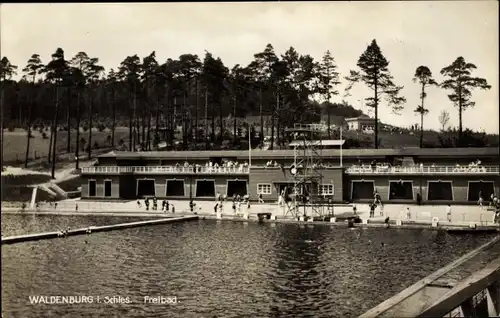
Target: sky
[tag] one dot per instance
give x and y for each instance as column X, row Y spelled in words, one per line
column 409, row 33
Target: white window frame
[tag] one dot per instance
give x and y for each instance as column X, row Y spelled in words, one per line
column 264, row 186
column 330, row 190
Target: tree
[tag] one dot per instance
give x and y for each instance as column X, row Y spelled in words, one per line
column 79, row 70
column 262, row 68
column 461, row 84
column 150, row 70
column 33, row 68
column 93, row 75
column 328, row 78
column 7, row 70
column 130, row 71
column 214, row 74
column 423, row 76
column 57, row 72
column 375, row 74
column 444, row 118
column 189, row 69
column 112, row 82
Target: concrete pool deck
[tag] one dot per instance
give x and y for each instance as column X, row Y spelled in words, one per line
column 420, row 216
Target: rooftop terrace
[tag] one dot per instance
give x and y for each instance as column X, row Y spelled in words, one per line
column 289, row 153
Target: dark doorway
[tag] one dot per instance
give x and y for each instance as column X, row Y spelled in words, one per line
column 145, row 188
column 440, row 191
column 400, row 190
column 107, row 188
column 487, row 188
column 236, row 187
column 92, row 188
column 362, row 190
column 205, row 188
column 175, row 188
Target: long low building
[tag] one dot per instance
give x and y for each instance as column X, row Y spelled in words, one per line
column 398, row 175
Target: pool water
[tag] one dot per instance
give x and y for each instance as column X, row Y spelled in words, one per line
column 223, row 269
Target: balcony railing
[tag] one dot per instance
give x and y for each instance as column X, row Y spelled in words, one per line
column 424, row 170
column 165, row 169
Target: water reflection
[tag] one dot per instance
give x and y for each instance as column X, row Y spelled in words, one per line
column 224, row 269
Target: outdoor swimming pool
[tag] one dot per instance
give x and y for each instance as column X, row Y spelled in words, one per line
column 221, row 269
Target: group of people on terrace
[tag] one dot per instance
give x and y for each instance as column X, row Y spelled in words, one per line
column 386, row 167
column 210, row 166
column 474, row 166
column 274, row 164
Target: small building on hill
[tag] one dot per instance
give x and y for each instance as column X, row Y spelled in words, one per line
column 360, row 123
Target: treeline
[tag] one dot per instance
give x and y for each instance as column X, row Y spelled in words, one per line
column 198, row 93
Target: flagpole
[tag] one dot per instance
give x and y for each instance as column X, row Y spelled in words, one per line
column 341, row 144
column 249, row 148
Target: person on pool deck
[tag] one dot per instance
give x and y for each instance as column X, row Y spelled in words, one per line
column 408, row 213
column 448, row 212
column 372, row 209
column 260, row 198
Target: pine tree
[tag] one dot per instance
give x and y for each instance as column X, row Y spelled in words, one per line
column 375, row 74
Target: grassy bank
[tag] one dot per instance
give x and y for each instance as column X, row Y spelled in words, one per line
column 15, row 143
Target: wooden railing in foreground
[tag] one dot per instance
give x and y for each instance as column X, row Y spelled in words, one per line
column 467, row 297
column 438, row 294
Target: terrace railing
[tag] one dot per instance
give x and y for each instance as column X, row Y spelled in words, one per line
column 423, row 170
column 165, row 169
